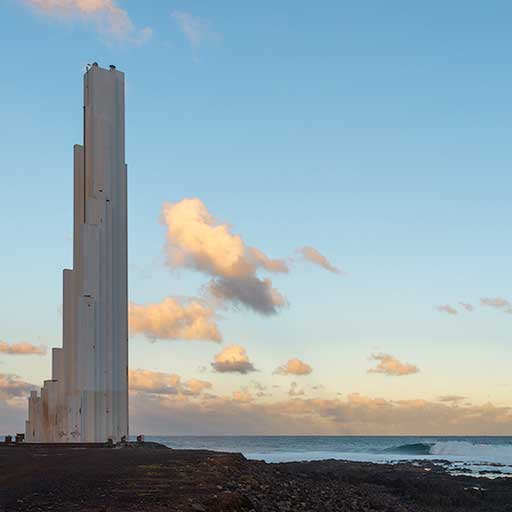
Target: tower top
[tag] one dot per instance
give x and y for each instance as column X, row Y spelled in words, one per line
column 95, row 65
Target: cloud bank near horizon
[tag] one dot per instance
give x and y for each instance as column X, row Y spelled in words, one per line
column 451, row 398
column 244, row 414
column 164, row 403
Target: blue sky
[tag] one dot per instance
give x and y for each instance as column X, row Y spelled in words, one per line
column 376, row 133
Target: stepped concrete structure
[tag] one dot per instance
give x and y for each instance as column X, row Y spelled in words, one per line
column 87, row 398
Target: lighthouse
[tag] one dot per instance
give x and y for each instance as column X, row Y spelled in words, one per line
column 86, row 400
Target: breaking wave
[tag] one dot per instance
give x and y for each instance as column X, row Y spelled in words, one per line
column 411, row 449
column 455, row 448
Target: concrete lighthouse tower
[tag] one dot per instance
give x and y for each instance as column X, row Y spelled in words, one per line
column 87, row 398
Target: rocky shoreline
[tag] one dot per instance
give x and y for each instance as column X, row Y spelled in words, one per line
column 155, row 478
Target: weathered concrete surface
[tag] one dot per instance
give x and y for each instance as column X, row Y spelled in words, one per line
column 87, row 398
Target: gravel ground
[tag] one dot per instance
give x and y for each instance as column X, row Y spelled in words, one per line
column 154, row 478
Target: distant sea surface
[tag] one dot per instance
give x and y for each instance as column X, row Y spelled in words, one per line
column 488, row 457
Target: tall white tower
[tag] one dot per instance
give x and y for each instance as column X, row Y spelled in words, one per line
column 87, row 398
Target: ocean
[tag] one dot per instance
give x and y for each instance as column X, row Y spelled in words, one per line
column 488, row 457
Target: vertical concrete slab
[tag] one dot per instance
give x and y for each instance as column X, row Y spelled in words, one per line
column 87, row 400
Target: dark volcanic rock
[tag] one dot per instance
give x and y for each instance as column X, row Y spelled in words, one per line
column 230, row 502
column 62, row 479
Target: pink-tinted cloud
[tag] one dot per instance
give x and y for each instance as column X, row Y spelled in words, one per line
column 13, row 403
column 172, row 320
column 391, row 366
column 497, row 303
column 294, row 367
column 446, row 308
column 314, row 256
column 468, row 307
column 11, row 386
column 22, row 349
column 233, row 359
column 197, row 386
column 110, row 20
column 196, row 240
column 160, row 383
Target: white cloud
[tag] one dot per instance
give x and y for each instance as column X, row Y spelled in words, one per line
column 195, row 29
column 233, row 359
column 110, row 20
column 391, row 366
column 172, row 319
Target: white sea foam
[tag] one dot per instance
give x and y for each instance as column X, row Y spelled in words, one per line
column 484, row 452
column 479, row 456
column 489, row 460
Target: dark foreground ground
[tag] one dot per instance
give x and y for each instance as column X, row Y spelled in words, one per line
column 158, row 479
